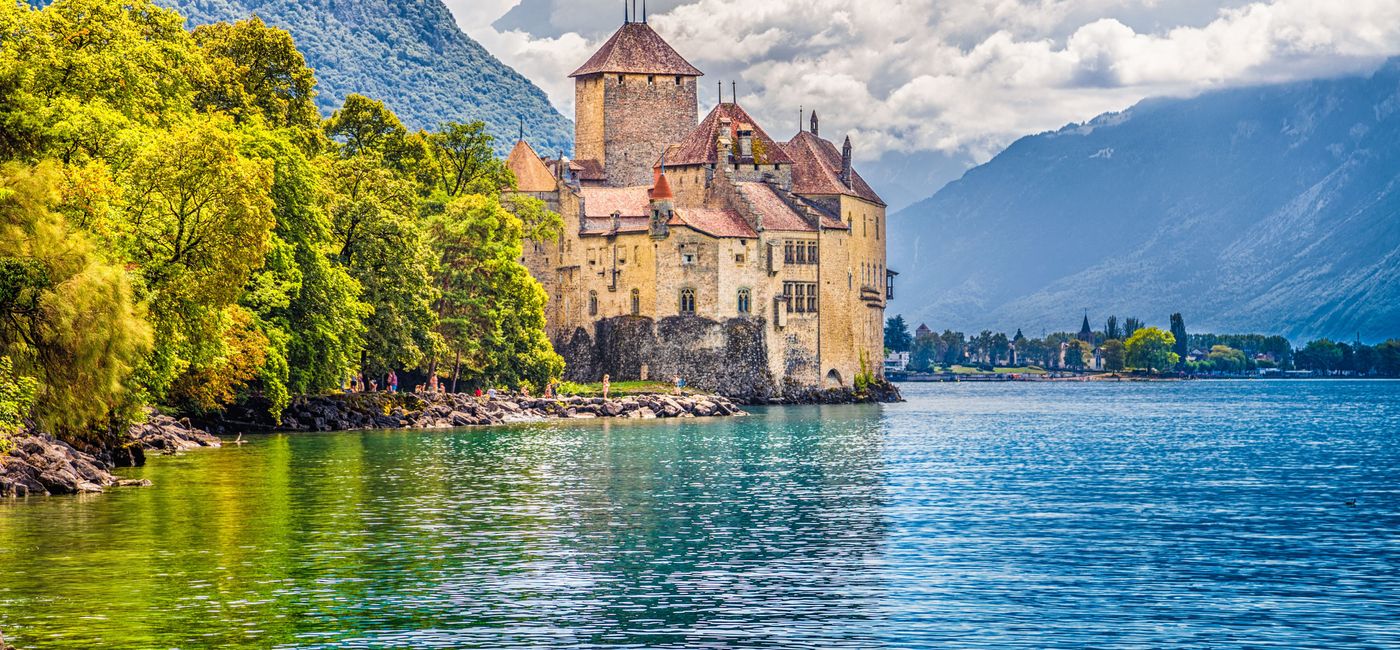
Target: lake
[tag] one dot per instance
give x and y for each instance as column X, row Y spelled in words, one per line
column 1200, row 514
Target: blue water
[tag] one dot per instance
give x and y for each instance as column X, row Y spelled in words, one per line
column 1201, row 515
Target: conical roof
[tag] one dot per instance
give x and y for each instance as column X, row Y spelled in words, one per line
column 530, row 173
column 637, row 49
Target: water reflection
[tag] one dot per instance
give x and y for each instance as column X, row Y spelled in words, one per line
column 673, row 534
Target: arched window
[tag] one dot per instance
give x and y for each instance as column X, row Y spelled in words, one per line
column 636, row 302
column 687, row 301
column 745, row 301
column 592, row 303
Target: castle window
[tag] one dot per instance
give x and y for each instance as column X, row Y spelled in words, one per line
column 687, row 257
column 877, row 227
column 592, row 303
column 811, row 298
column 812, row 252
column 619, row 80
column 787, row 252
column 622, row 255
column 687, row 301
column 801, row 252
column 678, row 80
column 636, row 302
column 745, row 301
column 739, row 257
column 651, row 80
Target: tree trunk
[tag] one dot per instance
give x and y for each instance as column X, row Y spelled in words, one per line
column 456, row 371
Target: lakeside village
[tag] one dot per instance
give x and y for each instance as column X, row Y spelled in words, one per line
column 1126, row 349
column 187, row 246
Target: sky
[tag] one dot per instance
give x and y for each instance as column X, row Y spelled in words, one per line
column 929, row 88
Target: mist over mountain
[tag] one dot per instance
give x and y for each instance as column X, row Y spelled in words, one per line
column 1272, row 209
column 408, row 53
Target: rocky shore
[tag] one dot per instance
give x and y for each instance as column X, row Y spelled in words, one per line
column 43, row 465
column 440, row 411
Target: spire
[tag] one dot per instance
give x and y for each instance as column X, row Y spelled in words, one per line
column 800, row 114
column 626, row 16
column 644, row 10
column 661, row 188
column 846, row 163
column 522, row 129
column 814, row 123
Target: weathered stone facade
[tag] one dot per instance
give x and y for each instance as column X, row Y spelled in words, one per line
column 704, row 250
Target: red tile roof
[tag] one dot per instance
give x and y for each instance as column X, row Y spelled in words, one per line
column 817, row 169
column 661, row 188
column 776, row 213
column 701, row 146
column 716, row 223
column 637, row 49
column 531, row 175
column 626, row 225
column 590, row 170
column 601, row 202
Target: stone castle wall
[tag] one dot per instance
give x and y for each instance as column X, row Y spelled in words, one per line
column 642, row 115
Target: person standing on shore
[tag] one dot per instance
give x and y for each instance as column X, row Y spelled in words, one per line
column 607, row 385
column 393, row 382
column 676, row 381
column 433, row 384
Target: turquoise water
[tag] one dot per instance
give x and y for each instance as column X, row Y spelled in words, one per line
column 1208, row 515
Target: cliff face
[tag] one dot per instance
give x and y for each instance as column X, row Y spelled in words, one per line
column 1273, row 209
column 409, row 54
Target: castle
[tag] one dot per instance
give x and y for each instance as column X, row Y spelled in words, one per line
column 703, row 249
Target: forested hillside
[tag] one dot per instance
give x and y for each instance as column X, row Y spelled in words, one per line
column 408, row 53
column 1273, row 209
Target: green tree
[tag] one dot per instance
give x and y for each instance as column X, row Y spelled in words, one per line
column 256, row 70
column 1322, row 355
column 465, row 162
column 1115, row 355
column 16, row 403
column 1388, row 358
column 897, row 337
column 1224, row 358
column 81, row 78
column 366, row 128
column 1150, row 349
column 68, row 317
column 1111, row 330
column 1182, row 345
column 490, row 310
column 1130, row 327
column 1078, row 354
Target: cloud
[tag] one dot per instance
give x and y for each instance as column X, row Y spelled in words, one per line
column 959, row 76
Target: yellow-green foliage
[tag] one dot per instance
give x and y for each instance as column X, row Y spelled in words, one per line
column 178, row 225
column 16, row 400
column 67, row 316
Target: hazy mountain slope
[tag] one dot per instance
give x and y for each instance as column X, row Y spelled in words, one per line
column 1267, row 209
column 408, row 53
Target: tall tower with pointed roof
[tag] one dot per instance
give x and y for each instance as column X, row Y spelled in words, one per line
column 635, row 96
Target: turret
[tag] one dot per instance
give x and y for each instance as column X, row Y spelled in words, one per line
column 662, row 205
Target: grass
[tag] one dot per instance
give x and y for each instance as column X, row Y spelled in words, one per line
column 620, row 389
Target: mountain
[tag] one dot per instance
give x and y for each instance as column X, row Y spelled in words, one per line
column 1272, row 209
column 408, row 53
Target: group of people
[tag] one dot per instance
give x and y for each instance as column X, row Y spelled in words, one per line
column 357, row 384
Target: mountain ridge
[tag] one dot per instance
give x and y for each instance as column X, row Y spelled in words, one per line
column 1270, row 209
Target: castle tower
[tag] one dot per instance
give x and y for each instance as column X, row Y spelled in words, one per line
column 634, row 97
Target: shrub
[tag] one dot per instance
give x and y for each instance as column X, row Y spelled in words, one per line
column 16, row 400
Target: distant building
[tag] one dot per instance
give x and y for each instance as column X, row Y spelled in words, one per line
column 703, row 249
column 897, row 362
column 922, row 332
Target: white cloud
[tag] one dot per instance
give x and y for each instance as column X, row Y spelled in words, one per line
column 969, row 76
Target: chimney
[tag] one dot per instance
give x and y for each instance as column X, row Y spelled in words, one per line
column 814, row 124
column 846, row 163
column 725, row 143
column 745, row 141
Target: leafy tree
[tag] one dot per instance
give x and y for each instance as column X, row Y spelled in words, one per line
column 308, row 307
column 81, row 77
column 465, row 162
column 16, row 403
column 954, row 346
column 1322, row 355
column 1227, row 359
column 196, row 219
column 1115, row 355
column 540, row 224
column 68, row 317
column 256, row 70
column 365, row 128
column 897, row 336
column 490, row 310
column 378, row 238
column 1150, row 349
column 925, row 353
column 1388, row 358
column 1078, row 353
